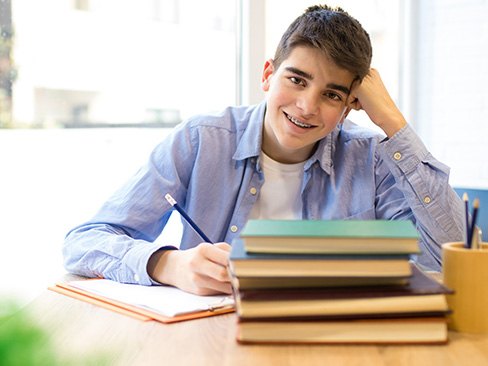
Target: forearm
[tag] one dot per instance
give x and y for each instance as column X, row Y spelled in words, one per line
column 424, row 182
column 102, row 250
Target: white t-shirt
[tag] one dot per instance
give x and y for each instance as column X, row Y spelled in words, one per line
column 280, row 196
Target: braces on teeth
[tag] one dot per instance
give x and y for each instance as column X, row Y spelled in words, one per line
column 298, row 123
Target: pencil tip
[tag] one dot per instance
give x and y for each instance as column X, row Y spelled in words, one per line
column 476, row 203
column 465, row 196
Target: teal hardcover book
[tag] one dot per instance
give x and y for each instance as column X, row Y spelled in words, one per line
column 330, row 236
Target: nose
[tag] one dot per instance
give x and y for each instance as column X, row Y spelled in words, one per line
column 308, row 103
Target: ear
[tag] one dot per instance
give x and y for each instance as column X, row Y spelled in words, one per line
column 267, row 73
column 351, row 103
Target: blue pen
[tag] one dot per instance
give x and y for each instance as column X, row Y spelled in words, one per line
column 188, row 219
column 472, row 233
column 467, row 229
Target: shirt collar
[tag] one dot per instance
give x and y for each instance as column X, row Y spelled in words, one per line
column 324, row 152
column 250, row 142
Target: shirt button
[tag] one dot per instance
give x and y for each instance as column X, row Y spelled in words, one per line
column 427, row 199
column 136, row 277
column 253, row 191
column 233, row 228
column 397, row 156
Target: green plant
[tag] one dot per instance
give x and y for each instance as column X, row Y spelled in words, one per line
column 23, row 343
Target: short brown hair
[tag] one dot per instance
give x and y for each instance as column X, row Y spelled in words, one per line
column 335, row 32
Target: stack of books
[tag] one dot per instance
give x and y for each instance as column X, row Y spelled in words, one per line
column 334, row 282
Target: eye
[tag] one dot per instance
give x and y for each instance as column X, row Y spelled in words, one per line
column 333, row 96
column 297, row 80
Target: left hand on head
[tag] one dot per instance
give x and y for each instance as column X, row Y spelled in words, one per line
column 371, row 96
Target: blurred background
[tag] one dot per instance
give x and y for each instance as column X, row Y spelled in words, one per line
column 89, row 87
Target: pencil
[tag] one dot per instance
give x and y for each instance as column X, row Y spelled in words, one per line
column 476, row 205
column 467, row 240
column 188, row 219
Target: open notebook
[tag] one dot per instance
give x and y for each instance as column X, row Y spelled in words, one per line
column 162, row 303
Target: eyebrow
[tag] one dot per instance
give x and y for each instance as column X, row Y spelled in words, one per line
column 308, row 76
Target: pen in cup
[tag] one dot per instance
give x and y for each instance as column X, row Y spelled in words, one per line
column 188, row 219
column 467, row 241
column 474, row 235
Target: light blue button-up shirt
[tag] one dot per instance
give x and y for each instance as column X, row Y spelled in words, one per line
column 210, row 165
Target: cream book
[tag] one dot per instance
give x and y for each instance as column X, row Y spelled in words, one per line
column 422, row 295
column 265, row 265
column 363, row 331
column 162, row 303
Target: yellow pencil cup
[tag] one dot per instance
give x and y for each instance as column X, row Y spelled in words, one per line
column 466, row 272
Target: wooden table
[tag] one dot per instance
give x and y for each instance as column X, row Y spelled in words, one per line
column 79, row 327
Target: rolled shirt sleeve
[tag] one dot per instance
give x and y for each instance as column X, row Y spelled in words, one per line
column 424, row 181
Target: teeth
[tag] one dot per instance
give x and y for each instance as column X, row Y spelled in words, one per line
column 298, row 123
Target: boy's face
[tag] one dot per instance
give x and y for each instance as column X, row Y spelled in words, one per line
column 306, row 98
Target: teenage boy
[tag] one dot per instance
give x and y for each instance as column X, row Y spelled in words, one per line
column 294, row 156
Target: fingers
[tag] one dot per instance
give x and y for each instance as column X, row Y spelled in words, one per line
column 201, row 270
column 212, row 261
column 203, row 285
column 224, row 246
column 207, row 269
column 217, row 253
column 372, row 96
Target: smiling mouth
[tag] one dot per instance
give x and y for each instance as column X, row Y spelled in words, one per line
column 297, row 122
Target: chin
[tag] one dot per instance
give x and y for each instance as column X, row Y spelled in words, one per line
column 294, row 145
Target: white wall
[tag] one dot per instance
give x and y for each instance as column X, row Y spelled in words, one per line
column 450, row 86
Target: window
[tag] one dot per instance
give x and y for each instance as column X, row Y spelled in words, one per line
column 82, row 4
column 7, row 72
column 95, row 63
column 91, row 63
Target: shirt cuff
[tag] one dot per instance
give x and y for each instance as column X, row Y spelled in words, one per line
column 137, row 259
column 404, row 149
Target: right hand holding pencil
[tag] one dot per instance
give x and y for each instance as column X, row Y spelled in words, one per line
column 200, row 270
